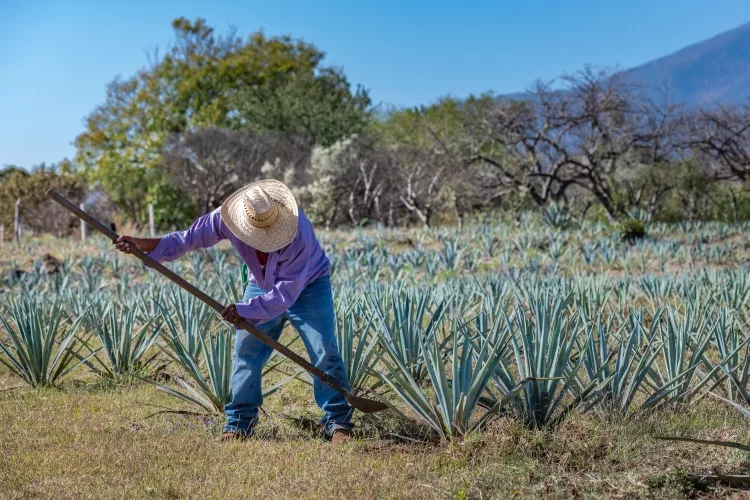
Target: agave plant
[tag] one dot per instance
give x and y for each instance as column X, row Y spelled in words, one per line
column 456, row 388
column 125, row 347
column 489, row 241
column 451, row 256
column 543, row 345
column 620, row 360
column 735, row 292
column 231, row 289
column 43, row 344
column 655, row 287
column 208, row 394
column 91, row 273
column 733, row 349
column 557, row 216
column 683, row 345
column 212, row 392
column 357, row 344
column 409, row 327
column 557, row 248
column 191, row 318
column 395, row 264
column 78, row 300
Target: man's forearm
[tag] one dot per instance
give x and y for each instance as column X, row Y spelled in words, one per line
column 147, row 245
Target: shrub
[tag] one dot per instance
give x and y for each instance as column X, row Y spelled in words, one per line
column 633, row 229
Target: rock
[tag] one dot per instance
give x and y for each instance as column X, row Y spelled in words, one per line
column 50, row 265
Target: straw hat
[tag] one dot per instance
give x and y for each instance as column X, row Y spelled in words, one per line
column 262, row 214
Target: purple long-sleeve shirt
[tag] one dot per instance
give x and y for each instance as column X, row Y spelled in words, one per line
column 288, row 271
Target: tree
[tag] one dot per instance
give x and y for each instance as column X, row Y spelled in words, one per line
column 39, row 213
column 722, row 135
column 597, row 136
column 205, row 81
column 350, row 182
column 316, row 107
column 210, row 164
column 430, row 146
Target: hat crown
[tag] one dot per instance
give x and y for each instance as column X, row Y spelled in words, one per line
column 263, row 215
column 260, row 208
column 257, row 200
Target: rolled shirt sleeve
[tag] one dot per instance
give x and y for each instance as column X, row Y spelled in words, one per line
column 290, row 282
column 205, row 232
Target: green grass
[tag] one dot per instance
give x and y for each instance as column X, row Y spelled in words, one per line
column 93, row 436
column 98, row 439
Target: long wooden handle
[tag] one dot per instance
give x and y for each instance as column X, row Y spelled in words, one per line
column 216, row 306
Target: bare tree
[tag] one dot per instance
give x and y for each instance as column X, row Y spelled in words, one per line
column 431, row 165
column 519, row 141
column 367, row 168
column 648, row 174
column 596, row 135
column 723, row 135
column 211, row 163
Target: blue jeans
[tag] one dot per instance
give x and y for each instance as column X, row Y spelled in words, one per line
column 312, row 315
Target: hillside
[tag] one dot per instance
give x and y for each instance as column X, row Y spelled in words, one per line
column 712, row 71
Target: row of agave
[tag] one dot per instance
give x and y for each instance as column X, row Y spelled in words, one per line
column 46, row 341
column 421, row 256
column 454, row 358
column 541, row 358
column 550, row 255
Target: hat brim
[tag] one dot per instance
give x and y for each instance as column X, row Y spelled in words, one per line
column 268, row 239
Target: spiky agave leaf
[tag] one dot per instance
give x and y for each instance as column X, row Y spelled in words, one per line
column 734, row 357
column 125, row 347
column 450, row 408
column 683, row 344
column 357, row 343
column 43, row 346
column 412, row 323
column 193, row 316
column 543, row 351
column 210, row 392
column 620, row 360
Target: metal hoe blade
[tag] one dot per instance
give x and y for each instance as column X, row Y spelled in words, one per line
column 362, row 404
column 365, row 405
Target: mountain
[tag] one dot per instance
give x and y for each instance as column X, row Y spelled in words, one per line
column 715, row 71
column 709, row 72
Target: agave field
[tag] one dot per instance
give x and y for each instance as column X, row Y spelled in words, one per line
column 454, row 328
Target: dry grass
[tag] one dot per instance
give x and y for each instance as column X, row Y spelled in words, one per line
column 97, row 440
column 92, row 438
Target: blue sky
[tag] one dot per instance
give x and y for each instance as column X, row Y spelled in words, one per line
column 57, row 56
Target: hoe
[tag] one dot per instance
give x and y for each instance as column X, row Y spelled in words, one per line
column 362, row 404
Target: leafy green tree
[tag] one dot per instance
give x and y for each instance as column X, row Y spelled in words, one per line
column 275, row 84
column 316, row 107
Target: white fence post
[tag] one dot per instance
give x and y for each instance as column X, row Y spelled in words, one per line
column 2, row 234
column 83, row 225
column 151, row 226
column 17, row 221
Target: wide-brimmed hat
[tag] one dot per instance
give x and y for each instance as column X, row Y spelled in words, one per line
column 262, row 214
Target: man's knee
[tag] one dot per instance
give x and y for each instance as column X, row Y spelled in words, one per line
column 247, row 346
column 332, row 364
